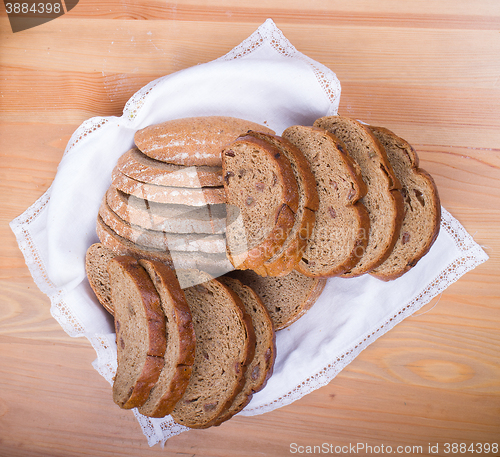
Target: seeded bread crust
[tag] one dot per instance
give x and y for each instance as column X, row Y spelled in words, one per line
column 181, row 342
column 172, row 195
column 286, row 298
column 289, row 255
column 261, row 187
column 215, row 264
column 225, row 346
column 340, row 234
column 383, row 200
column 167, row 218
column 140, row 332
column 261, row 367
column 140, row 167
column 161, row 240
column 96, row 262
column 192, row 141
column 422, row 218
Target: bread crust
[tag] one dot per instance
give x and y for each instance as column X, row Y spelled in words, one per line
column 118, row 268
column 96, row 260
column 194, row 140
column 433, row 209
column 284, row 216
column 179, row 321
column 140, row 167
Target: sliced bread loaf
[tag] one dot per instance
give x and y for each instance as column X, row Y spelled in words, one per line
column 168, row 218
column 422, row 207
column 96, row 267
column 261, row 188
column 340, row 235
column 172, row 195
column 383, row 199
column 179, row 356
column 215, row 264
column 286, row 298
column 290, row 253
column 140, row 331
column 192, row 141
column 140, row 167
column 225, row 345
column 162, row 240
column 261, row 367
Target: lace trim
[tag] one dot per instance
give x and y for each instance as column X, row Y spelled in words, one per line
column 269, row 33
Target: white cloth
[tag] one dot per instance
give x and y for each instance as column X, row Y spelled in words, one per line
column 265, row 80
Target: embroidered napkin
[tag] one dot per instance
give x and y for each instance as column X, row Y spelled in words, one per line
column 265, row 80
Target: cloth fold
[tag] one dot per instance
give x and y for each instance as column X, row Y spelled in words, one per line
column 264, row 80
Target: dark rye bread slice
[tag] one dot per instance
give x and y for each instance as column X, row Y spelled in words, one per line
column 261, row 367
column 290, row 253
column 193, row 140
column 200, row 196
column 340, row 235
column 422, row 207
column 140, row 167
column 156, row 239
column 181, row 342
column 140, row 332
column 286, row 298
column 383, row 199
column 96, row 268
column 261, row 188
column 215, row 264
column 176, row 218
column 225, row 345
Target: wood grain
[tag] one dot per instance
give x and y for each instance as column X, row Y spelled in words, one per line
column 430, row 71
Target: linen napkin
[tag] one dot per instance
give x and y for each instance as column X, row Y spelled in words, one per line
column 265, row 80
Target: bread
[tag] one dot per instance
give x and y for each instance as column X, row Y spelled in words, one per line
column 168, row 218
column 193, row 141
column 162, row 240
column 340, row 235
column 290, row 253
column 172, row 195
column 286, row 298
column 181, row 342
column 261, row 367
column 225, row 345
column 215, row 264
column 383, row 199
column 422, row 214
column 140, row 167
column 140, row 332
column 96, row 263
column 261, row 188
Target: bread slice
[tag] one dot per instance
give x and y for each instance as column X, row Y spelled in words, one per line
column 96, row 263
column 192, row 141
column 172, row 195
column 140, row 167
column 181, row 342
column 340, row 234
column 178, row 218
column 140, row 332
column 261, row 188
column 383, row 199
column 215, row 264
column 162, row 240
column 261, row 367
column 286, row 298
column 290, row 253
column 225, row 345
column 422, row 214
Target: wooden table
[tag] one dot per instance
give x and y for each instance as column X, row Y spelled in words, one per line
column 429, row 70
